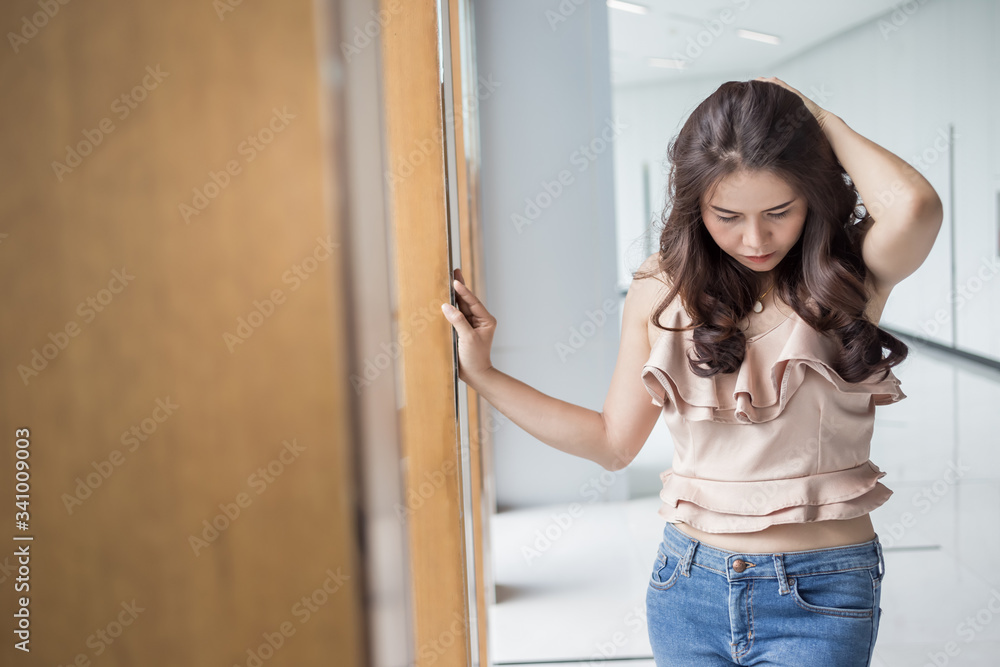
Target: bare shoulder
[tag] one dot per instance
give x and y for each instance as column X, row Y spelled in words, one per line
column 878, row 290
column 878, row 296
column 649, row 286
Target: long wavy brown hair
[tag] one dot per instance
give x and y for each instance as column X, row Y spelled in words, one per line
column 754, row 126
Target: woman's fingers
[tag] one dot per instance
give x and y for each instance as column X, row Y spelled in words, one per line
column 817, row 111
column 462, row 299
column 459, row 280
column 476, row 310
column 470, row 310
column 457, row 319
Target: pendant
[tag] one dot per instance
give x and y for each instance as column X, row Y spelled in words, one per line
column 757, row 307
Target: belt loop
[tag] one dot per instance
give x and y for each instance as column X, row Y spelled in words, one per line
column 881, row 558
column 779, row 567
column 688, row 557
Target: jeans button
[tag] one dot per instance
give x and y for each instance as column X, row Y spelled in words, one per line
column 739, row 565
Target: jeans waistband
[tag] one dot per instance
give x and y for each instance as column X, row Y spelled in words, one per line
column 737, row 565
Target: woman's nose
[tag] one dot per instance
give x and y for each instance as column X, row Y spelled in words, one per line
column 754, row 236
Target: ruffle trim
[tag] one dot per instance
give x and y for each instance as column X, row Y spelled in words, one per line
column 762, row 389
column 739, row 507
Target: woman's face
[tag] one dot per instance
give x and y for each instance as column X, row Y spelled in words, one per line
column 754, row 213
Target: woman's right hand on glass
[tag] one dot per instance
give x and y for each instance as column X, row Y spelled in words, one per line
column 475, row 327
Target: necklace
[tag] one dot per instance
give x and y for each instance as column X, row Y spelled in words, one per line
column 758, row 306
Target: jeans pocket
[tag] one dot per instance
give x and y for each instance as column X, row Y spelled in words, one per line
column 877, row 574
column 665, row 569
column 849, row 593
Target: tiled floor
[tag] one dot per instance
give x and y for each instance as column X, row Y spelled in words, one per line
column 571, row 585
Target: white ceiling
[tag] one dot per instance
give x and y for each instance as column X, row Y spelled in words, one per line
column 671, row 26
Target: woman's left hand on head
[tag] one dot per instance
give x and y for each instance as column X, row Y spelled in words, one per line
column 819, row 113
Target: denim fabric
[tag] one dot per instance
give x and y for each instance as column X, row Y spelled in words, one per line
column 815, row 608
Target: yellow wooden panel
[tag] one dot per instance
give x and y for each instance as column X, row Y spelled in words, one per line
column 163, row 200
column 413, row 118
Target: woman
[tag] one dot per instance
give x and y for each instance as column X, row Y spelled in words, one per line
column 755, row 331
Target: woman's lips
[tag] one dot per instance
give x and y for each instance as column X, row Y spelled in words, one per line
column 759, row 258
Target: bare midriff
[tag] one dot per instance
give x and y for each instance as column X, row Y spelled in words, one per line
column 789, row 536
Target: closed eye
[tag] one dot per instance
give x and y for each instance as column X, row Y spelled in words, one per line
column 776, row 216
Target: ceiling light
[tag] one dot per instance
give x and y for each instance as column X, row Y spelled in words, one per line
column 628, row 7
column 758, row 36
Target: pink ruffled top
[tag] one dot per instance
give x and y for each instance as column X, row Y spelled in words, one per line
column 785, row 439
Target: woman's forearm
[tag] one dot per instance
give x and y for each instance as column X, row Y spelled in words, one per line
column 567, row 427
column 888, row 185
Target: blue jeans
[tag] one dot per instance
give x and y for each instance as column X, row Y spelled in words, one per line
column 708, row 606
